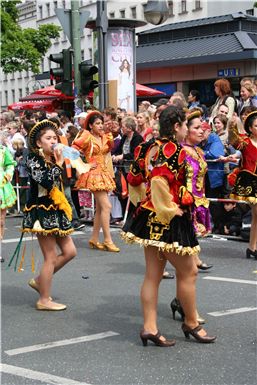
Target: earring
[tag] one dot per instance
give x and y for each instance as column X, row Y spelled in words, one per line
column 41, row 151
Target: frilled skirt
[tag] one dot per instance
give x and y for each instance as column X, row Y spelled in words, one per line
column 178, row 236
column 7, row 196
column 245, row 187
column 44, row 220
column 96, row 180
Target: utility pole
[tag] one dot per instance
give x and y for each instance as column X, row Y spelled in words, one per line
column 75, row 42
column 101, row 27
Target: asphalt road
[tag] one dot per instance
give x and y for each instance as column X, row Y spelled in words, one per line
column 96, row 340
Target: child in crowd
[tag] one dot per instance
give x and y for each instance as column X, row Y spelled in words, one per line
column 230, row 219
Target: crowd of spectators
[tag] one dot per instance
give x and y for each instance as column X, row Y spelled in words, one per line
column 131, row 129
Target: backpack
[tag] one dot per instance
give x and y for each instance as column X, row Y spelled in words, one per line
column 236, row 104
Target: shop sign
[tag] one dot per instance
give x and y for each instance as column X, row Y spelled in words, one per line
column 228, row 72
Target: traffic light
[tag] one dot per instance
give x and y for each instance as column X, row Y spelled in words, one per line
column 87, row 72
column 63, row 74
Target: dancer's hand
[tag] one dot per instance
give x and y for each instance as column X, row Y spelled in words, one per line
column 59, row 159
column 179, row 212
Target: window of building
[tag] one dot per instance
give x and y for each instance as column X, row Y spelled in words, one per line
column 90, row 53
column 13, row 95
column 81, row 3
column 55, row 4
column 198, row 4
column 40, row 12
column 171, row 8
column 6, row 98
column 12, row 76
column 122, row 13
column 42, row 65
column 112, row 15
column 27, row 75
column 19, row 75
column 83, row 54
column 183, row 6
column 250, row 12
column 20, row 93
column 48, row 9
column 63, row 4
column 134, row 12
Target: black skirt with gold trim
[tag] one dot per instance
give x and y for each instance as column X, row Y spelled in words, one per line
column 178, row 236
column 245, row 187
column 45, row 218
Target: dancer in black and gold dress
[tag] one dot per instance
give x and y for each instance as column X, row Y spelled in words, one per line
column 47, row 212
column 162, row 224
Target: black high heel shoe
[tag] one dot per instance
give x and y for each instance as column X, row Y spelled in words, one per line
column 249, row 252
column 194, row 333
column 204, row 266
column 175, row 306
column 155, row 338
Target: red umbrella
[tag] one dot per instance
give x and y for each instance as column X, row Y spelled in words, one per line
column 147, row 91
column 51, row 91
column 36, row 105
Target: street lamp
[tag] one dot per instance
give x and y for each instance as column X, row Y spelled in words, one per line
column 156, row 11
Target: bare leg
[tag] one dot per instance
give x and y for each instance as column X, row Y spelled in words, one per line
column 102, row 201
column 97, row 222
column 186, row 273
column 48, row 247
column 2, row 222
column 150, row 287
column 68, row 252
column 253, row 231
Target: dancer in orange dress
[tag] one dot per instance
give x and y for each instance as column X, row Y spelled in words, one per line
column 96, row 146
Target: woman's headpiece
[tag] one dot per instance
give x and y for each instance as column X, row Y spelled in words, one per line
column 193, row 115
column 89, row 115
column 37, row 128
column 247, row 121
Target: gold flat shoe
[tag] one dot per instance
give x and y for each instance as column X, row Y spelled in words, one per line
column 32, row 283
column 95, row 245
column 109, row 246
column 56, row 307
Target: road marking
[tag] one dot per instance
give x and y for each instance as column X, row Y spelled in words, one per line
column 232, row 311
column 49, row 345
column 231, row 280
column 38, row 376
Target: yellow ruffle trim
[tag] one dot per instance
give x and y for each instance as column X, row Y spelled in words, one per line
column 55, row 231
column 251, row 200
column 169, row 247
column 60, row 200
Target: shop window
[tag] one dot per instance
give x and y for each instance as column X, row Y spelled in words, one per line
column 122, row 13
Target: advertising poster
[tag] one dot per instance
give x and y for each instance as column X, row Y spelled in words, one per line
column 120, row 51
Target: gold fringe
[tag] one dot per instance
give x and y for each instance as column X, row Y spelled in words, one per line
column 60, row 200
column 51, row 207
column 55, row 231
column 170, row 247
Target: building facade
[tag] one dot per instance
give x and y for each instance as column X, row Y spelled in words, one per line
column 35, row 12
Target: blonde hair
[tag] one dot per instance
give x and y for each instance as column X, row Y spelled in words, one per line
column 250, row 87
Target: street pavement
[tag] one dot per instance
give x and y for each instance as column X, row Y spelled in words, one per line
column 96, row 340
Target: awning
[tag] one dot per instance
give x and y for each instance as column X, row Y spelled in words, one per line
column 147, row 91
column 35, row 105
column 51, row 91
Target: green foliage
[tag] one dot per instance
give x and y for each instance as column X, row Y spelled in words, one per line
column 255, row 4
column 23, row 49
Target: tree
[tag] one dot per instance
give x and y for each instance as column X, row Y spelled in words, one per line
column 23, row 49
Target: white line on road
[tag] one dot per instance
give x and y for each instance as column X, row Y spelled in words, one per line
column 49, row 345
column 232, row 311
column 232, row 280
column 38, row 376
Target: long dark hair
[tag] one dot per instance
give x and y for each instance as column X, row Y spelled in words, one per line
column 168, row 118
column 122, row 66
